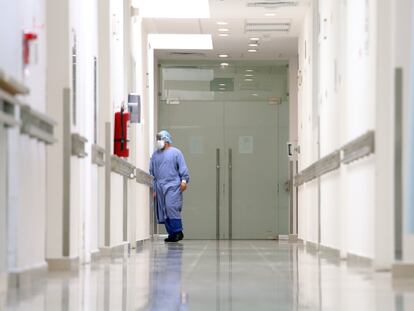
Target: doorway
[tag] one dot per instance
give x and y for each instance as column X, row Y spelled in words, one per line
column 232, row 124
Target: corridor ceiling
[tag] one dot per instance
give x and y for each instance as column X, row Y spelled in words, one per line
column 276, row 24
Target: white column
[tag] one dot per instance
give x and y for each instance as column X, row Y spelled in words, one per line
column 384, row 205
column 58, row 166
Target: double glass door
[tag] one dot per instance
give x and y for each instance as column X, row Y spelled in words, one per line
column 235, row 151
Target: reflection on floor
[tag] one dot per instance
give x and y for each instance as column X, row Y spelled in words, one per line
column 212, row 275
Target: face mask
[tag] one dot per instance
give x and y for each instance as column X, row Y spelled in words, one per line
column 160, row 144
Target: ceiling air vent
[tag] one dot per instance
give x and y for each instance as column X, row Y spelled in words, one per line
column 187, row 54
column 272, row 4
column 268, row 26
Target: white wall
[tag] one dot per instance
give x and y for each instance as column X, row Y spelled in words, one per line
column 404, row 58
column 58, row 78
column 308, row 204
column 345, row 89
column 84, row 174
column 141, row 213
column 27, row 157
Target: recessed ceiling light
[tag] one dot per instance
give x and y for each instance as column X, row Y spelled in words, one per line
column 255, row 39
column 223, row 34
column 249, row 75
column 223, row 55
column 224, row 64
column 222, row 84
column 252, row 51
column 222, row 23
column 270, row 14
column 249, row 70
column 253, row 44
column 255, row 95
column 223, row 29
column 248, row 80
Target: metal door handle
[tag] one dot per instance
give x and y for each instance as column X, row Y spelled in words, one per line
column 230, row 193
column 218, row 194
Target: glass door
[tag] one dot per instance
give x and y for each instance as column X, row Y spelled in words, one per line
column 232, row 126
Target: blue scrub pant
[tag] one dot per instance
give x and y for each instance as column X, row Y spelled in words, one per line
column 173, row 226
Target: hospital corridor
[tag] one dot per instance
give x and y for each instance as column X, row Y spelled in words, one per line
column 220, row 155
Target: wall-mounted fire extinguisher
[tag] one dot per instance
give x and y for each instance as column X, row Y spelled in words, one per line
column 28, row 39
column 121, row 134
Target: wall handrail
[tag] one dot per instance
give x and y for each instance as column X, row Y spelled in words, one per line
column 8, row 109
column 37, row 125
column 122, row 167
column 98, row 155
column 143, row 177
column 358, row 148
column 79, row 146
column 11, row 85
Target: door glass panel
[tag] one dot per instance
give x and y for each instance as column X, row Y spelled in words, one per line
column 240, row 114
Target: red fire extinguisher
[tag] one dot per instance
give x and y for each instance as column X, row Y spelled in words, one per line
column 28, row 38
column 121, row 134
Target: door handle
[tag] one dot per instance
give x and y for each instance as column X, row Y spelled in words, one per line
column 230, row 193
column 218, row 193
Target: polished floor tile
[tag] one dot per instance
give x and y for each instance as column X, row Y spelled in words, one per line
column 217, row 275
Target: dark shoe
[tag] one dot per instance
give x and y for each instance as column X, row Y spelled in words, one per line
column 171, row 238
column 179, row 236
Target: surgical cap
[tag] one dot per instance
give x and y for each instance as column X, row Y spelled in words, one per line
column 165, row 136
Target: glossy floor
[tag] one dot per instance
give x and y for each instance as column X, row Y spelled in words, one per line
column 210, row 275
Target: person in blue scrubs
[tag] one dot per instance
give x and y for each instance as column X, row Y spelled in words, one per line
column 171, row 177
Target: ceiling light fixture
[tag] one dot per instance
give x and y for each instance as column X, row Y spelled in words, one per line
column 249, row 75
column 248, row 80
column 222, row 89
column 253, row 44
column 223, row 29
column 224, row 64
column 249, row 70
column 255, row 95
column 223, row 34
column 222, row 23
column 252, row 51
column 270, row 14
column 255, row 39
column 223, row 55
column 192, row 9
column 222, row 84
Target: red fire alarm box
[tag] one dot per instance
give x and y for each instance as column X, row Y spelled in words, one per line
column 121, row 134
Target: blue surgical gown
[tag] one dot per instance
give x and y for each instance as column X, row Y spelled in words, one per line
column 168, row 168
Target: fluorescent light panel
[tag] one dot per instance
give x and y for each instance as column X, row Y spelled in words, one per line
column 180, row 42
column 174, row 9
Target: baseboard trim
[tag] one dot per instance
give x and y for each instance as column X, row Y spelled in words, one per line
column 312, row 247
column 63, row 264
column 293, row 238
column 95, row 255
column 140, row 244
column 3, row 282
column 26, row 277
column 121, row 250
column 358, row 260
column 330, row 251
column 401, row 270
